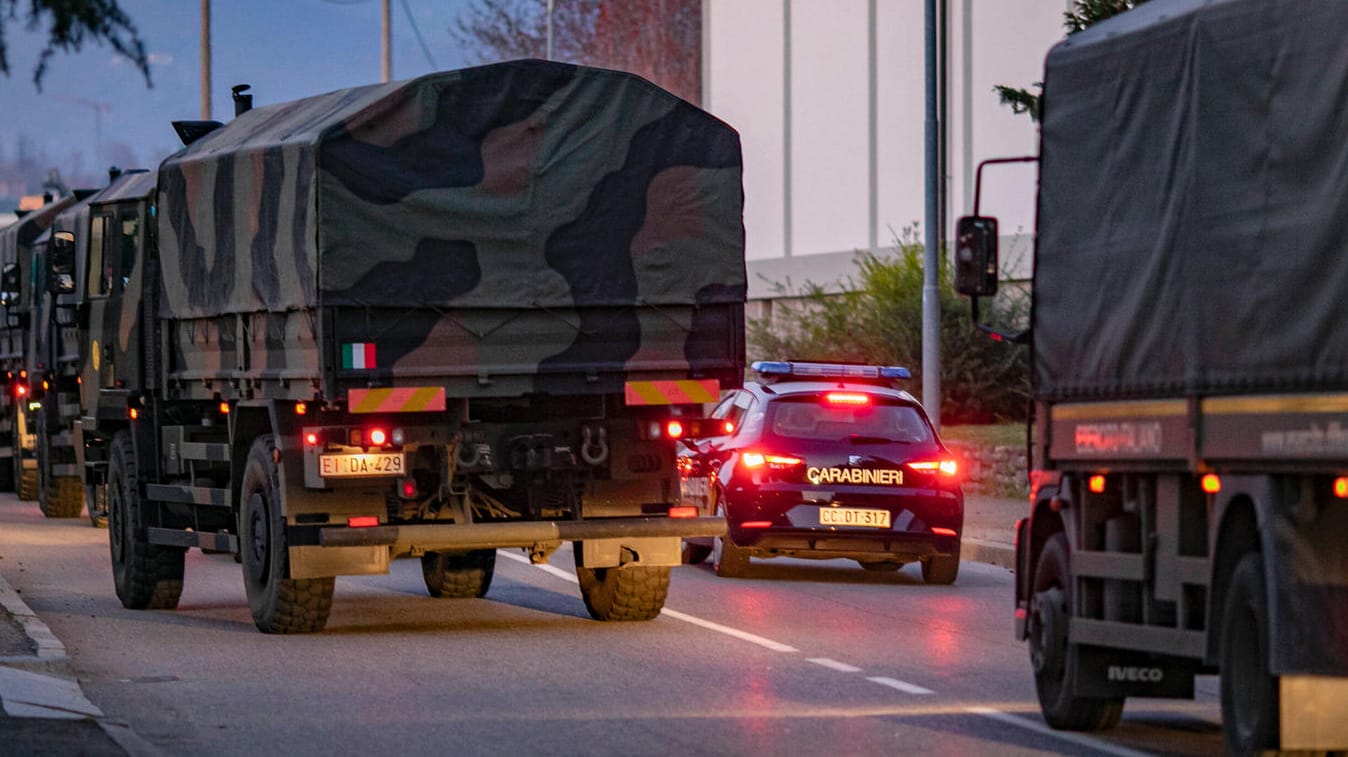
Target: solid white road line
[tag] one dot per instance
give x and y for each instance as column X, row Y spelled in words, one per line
column 904, row 686
column 775, row 646
column 1075, row 738
column 841, row 667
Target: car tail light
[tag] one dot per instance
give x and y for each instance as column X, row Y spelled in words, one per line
column 945, row 466
column 847, row 398
column 756, row 524
column 729, row 427
column 685, row 511
column 944, row 531
column 775, row 462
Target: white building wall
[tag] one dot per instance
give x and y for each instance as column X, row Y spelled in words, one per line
column 828, row 192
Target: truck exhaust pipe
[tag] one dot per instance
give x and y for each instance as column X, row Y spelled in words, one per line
column 242, row 102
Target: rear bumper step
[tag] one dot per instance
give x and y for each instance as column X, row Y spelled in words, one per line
column 435, row 537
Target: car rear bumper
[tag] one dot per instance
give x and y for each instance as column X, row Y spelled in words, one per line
column 829, row 545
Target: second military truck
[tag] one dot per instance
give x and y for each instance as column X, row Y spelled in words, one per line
column 469, row 311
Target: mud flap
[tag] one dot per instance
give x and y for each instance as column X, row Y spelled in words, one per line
column 655, row 551
column 1103, row 673
column 1313, row 711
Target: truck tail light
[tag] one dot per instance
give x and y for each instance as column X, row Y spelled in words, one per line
column 311, row 438
column 1210, row 483
column 378, row 437
column 1341, row 487
column 674, row 430
column 1096, row 484
column 363, row 521
column 683, row 511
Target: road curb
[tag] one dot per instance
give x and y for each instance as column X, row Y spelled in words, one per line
column 44, row 641
column 990, row 552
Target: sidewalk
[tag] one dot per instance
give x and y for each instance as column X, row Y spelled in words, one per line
column 990, row 529
column 44, row 711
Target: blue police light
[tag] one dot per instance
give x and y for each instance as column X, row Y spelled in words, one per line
column 829, row 370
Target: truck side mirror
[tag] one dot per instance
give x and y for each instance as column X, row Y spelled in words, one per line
column 61, row 263
column 976, row 256
column 9, row 285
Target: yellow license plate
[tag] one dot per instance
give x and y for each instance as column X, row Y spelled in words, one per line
column 381, row 464
column 847, row 516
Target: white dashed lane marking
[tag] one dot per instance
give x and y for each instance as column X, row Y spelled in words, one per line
column 904, row 686
column 841, row 667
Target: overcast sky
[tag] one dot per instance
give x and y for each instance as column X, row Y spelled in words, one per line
column 286, row 49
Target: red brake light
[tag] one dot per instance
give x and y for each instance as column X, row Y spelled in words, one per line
column 224, row 408
column 729, row 427
column 674, row 429
column 758, row 460
column 686, row 511
column 946, row 466
column 847, row 398
column 943, row 531
column 311, row 439
column 20, row 390
column 1096, row 484
column 409, row 488
column 756, row 524
column 378, row 437
column 1341, row 487
column 363, row 521
column 301, row 408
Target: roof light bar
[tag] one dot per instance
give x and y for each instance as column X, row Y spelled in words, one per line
column 829, row 370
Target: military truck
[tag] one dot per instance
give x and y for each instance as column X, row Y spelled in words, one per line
column 431, row 318
column 1189, row 506
column 20, row 299
column 54, row 354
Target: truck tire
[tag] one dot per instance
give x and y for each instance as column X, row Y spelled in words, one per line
column 941, row 570
column 1250, row 706
column 458, row 576
column 631, row 592
column 1050, row 609
column 147, row 576
column 62, row 497
column 279, row 603
column 727, row 559
column 27, row 484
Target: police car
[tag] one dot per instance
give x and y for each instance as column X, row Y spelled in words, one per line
column 825, row 461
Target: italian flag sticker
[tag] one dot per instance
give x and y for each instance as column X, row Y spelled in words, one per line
column 358, row 355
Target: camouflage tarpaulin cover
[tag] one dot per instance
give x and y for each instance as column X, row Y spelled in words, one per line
column 522, row 184
column 1191, row 207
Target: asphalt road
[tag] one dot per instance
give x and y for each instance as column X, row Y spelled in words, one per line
column 799, row 658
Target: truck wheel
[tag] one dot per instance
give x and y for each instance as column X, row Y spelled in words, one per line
column 96, row 502
column 62, row 497
column 941, row 570
column 1249, row 694
column 27, row 484
column 280, row 604
column 1050, row 609
column 147, row 576
column 458, row 576
column 632, row 592
column 695, row 554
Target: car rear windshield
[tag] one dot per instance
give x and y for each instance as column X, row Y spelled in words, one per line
column 874, row 419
